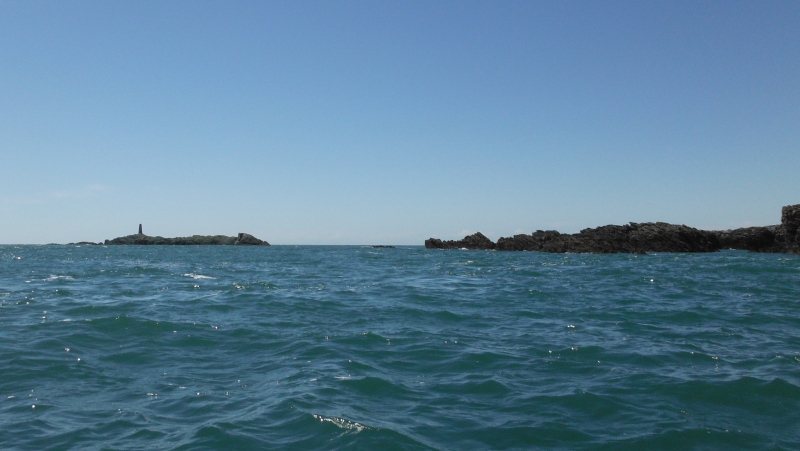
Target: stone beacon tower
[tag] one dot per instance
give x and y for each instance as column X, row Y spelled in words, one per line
column 140, row 229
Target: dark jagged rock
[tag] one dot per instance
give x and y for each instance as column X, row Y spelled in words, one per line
column 790, row 222
column 85, row 243
column 381, row 246
column 474, row 241
column 249, row 240
column 632, row 238
column 755, row 239
column 197, row 240
column 639, row 238
column 782, row 238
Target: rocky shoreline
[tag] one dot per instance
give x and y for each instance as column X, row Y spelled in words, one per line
column 640, row 238
column 198, row 240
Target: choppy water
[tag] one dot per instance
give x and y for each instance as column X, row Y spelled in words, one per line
column 317, row 347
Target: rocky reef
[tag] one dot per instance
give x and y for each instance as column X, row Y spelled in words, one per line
column 474, row 241
column 200, row 240
column 640, row 238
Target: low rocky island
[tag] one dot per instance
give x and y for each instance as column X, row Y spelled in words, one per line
column 640, row 238
column 197, row 240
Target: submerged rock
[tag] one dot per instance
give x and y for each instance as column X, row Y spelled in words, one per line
column 198, row 240
column 640, row 238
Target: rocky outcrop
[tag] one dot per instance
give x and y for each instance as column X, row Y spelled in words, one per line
column 197, row 240
column 782, row 238
column 632, row 238
column 249, row 240
column 790, row 225
column 474, row 241
column 755, row 239
column 639, row 238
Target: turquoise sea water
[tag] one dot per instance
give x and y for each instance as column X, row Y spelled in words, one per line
column 348, row 347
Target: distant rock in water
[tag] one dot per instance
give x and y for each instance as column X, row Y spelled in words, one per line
column 632, row 238
column 198, row 240
column 639, row 238
column 474, row 241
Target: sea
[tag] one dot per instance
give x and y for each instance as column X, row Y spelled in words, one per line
column 405, row 348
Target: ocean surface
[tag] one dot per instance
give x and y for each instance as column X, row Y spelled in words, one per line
column 355, row 348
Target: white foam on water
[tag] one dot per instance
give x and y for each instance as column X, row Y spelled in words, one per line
column 349, row 426
column 198, row 276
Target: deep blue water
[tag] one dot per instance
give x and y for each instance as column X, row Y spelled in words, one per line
column 348, row 347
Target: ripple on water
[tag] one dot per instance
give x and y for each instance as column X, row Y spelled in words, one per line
column 345, row 348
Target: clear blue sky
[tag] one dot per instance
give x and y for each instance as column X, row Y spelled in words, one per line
column 344, row 122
